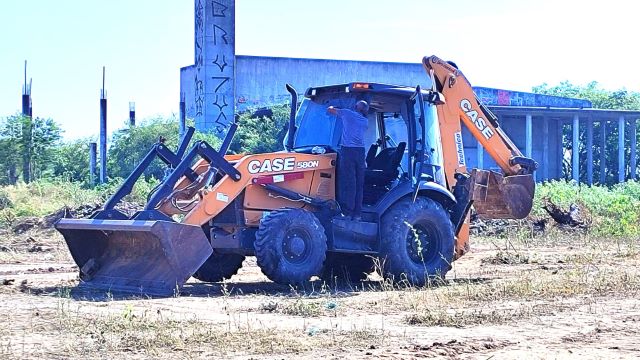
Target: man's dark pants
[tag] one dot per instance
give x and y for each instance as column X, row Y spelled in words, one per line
column 351, row 165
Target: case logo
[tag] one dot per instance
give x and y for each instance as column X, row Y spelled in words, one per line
column 280, row 164
column 480, row 122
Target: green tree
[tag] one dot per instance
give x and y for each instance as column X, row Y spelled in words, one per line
column 71, row 161
column 620, row 99
column 29, row 142
column 261, row 134
column 130, row 145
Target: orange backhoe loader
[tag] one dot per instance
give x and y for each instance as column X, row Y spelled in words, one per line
column 215, row 209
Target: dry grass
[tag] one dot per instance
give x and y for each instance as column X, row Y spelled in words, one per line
column 76, row 332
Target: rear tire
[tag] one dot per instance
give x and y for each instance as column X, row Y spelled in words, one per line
column 290, row 246
column 346, row 267
column 417, row 241
column 219, row 267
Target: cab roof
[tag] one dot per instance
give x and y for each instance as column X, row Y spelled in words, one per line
column 363, row 87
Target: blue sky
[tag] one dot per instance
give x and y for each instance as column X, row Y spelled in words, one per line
column 143, row 43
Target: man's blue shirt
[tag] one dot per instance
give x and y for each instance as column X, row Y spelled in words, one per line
column 354, row 125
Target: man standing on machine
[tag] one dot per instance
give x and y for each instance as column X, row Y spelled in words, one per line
column 352, row 158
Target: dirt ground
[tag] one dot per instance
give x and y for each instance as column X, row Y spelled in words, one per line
column 562, row 297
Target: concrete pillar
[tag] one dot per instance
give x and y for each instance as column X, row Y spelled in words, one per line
column 103, row 137
column 480, row 154
column 603, row 151
column 575, row 149
column 560, row 147
column 214, row 75
column 621, row 149
column 634, row 139
column 93, row 149
column 545, row 149
column 529, row 139
column 589, row 152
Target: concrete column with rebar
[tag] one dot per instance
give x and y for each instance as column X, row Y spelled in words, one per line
column 103, row 131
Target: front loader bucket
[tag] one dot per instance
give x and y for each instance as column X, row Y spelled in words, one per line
column 502, row 197
column 145, row 257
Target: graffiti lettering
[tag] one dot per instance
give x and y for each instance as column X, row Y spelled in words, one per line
column 223, row 35
column 220, row 66
column 222, row 80
column 218, row 11
column 222, row 105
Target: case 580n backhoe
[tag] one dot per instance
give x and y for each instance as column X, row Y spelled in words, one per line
column 281, row 207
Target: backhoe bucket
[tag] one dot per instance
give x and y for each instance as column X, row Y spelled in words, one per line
column 145, row 257
column 502, row 197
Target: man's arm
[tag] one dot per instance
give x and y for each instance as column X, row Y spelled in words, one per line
column 332, row 110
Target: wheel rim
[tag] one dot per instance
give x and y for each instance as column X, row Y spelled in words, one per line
column 422, row 243
column 296, row 246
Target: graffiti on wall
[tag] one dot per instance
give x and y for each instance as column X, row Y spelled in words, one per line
column 497, row 97
column 198, row 83
column 221, row 74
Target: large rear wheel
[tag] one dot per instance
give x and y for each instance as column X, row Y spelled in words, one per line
column 290, row 246
column 417, row 241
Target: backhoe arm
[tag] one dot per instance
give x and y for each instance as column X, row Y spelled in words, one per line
column 463, row 106
column 506, row 195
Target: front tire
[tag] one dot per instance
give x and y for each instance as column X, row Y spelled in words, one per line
column 290, row 246
column 417, row 241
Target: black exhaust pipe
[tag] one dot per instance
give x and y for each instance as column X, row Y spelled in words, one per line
column 292, row 117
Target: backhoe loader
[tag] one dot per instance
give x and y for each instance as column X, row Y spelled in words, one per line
column 215, row 209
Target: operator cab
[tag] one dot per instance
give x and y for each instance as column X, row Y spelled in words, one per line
column 398, row 121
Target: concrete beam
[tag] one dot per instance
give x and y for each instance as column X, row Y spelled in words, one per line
column 634, row 139
column 603, row 151
column 575, row 149
column 589, row 152
column 621, row 163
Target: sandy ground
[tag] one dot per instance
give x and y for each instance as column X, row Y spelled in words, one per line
column 570, row 299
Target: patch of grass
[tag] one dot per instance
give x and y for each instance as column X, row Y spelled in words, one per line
column 474, row 316
column 612, row 211
column 302, row 307
column 509, row 258
column 44, row 197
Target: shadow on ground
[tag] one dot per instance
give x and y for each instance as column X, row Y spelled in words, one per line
column 212, row 290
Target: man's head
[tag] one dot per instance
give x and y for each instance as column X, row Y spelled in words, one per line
column 362, row 107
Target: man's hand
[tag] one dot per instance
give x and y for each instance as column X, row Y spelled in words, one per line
column 332, row 110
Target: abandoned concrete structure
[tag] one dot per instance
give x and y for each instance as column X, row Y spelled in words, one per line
column 221, row 83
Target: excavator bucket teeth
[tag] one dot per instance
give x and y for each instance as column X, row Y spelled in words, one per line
column 502, row 197
column 145, row 257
